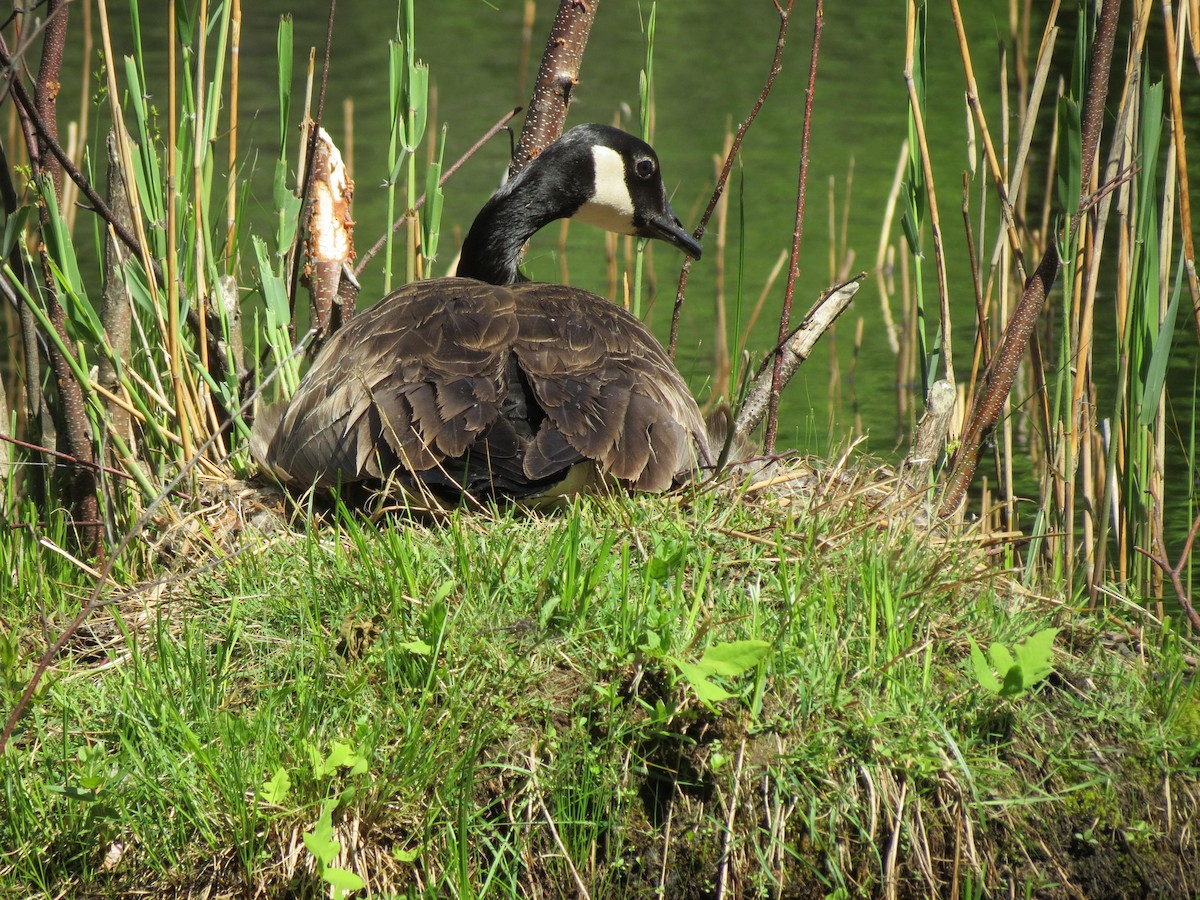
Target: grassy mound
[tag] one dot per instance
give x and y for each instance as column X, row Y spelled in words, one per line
column 734, row 693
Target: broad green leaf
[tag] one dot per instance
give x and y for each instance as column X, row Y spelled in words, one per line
column 431, row 213
column 283, row 49
column 321, row 846
column 418, row 104
column 317, row 762
column 319, row 841
column 708, row 692
column 276, row 789
column 983, row 669
column 1014, row 682
column 1156, row 374
column 14, row 229
column 287, row 209
column 912, row 228
column 651, row 643
column 342, row 880
column 396, row 86
column 733, row 658
column 72, row 791
column 667, row 559
column 273, row 289
column 1002, row 660
column 1070, row 162
column 62, row 250
column 343, row 756
column 1034, row 655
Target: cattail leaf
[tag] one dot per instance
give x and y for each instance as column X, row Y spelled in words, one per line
column 1160, row 356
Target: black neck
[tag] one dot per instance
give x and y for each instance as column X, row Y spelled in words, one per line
column 548, row 188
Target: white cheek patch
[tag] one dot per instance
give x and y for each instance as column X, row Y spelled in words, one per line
column 610, row 206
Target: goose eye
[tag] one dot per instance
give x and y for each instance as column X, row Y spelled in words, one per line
column 644, row 168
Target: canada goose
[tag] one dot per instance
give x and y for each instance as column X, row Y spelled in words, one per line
column 488, row 385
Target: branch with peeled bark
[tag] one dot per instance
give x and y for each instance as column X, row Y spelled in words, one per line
column 329, row 245
column 116, row 311
column 556, row 80
column 929, row 438
column 794, row 351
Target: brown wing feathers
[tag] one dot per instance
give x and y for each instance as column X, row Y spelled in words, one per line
column 623, row 404
column 410, row 382
column 462, row 385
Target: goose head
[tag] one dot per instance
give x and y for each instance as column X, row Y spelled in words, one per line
column 594, row 173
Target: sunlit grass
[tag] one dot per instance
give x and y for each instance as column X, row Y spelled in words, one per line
column 489, row 703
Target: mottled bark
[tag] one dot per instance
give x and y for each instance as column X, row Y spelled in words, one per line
column 998, row 380
column 1097, row 94
column 556, row 80
column 115, row 309
column 45, row 92
column 226, row 356
column 76, row 432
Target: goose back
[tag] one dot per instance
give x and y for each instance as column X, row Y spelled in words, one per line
column 454, row 386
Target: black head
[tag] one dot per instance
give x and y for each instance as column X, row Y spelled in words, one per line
column 628, row 195
column 595, row 173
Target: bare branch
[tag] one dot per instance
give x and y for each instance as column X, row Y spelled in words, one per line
column 723, row 178
column 792, row 352
column 313, row 127
column 785, row 315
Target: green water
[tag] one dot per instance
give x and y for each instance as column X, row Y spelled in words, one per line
column 711, row 59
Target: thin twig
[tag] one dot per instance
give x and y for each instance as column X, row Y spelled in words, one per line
column 537, row 792
column 785, row 317
column 1175, row 572
column 458, row 164
column 85, row 186
column 66, row 457
column 776, row 67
